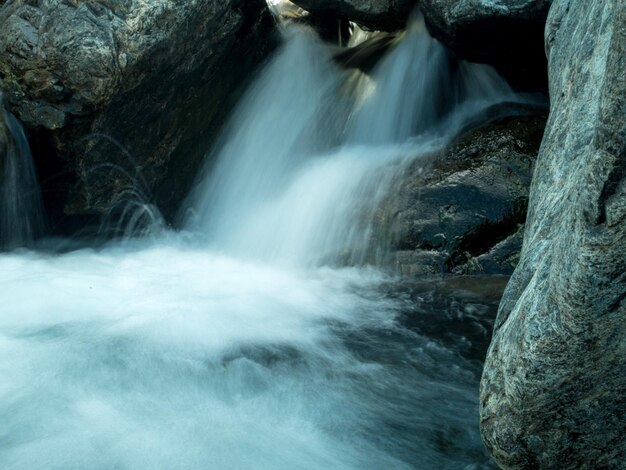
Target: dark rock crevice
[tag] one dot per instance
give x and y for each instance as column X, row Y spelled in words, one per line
column 507, row 34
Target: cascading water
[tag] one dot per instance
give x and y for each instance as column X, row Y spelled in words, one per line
column 21, row 208
column 231, row 345
column 313, row 148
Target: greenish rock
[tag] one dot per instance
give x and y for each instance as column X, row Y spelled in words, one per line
column 554, row 383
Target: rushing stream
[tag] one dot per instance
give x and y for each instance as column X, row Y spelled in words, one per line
column 241, row 342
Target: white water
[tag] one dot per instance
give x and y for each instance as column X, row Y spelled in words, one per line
column 229, row 346
column 174, row 357
column 313, row 148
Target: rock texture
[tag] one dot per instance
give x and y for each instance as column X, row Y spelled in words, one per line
column 506, row 33
column 464, row 211
column 125, row 95
column 383, row 15
column 4, row 142
column 4, row 138
column 553, row 393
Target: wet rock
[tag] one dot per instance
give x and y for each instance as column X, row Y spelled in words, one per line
column 506, row 33
column 383, row 15
column 126, row 95
column 462, row 210
column 4, row 141
column 553, row 387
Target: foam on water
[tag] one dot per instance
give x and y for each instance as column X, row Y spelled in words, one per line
column 171, row 356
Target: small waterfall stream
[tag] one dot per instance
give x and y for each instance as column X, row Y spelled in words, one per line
column 21, row 207
column 258, row 337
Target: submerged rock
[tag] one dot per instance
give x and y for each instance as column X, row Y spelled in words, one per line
column 553, row 388
column 383, row 15
column 127, row 93
column 463, row 211
column 506, row 33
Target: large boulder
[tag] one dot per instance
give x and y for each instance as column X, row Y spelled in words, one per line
column 383, row 15
column 554, row 384
column 506, row 33
column 463, row 209
column 126, row 95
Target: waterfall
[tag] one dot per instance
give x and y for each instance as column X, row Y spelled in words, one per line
column 21, row 207
column 313, row 148
column 240, row 342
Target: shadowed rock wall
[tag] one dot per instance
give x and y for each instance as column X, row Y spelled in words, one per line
column 553, row 392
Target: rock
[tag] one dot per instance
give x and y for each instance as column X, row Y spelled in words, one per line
column 506, row 33
column 500, row 259
column 553, row 387
column 383, row 15
column 126, row 95
column 461, row 212
column 285, row 10
column 4, row 139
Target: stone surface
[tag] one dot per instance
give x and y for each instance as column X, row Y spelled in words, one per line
column 4, row 139
column 553, row 393
column 506, row 33
column 124, row 96
column 461, row 211
column 384, row 15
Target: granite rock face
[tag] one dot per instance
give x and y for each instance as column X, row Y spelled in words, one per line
column 126, row 94
column 506, row 33
column 383, row 15
column 553, row 393
column 463, row 211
